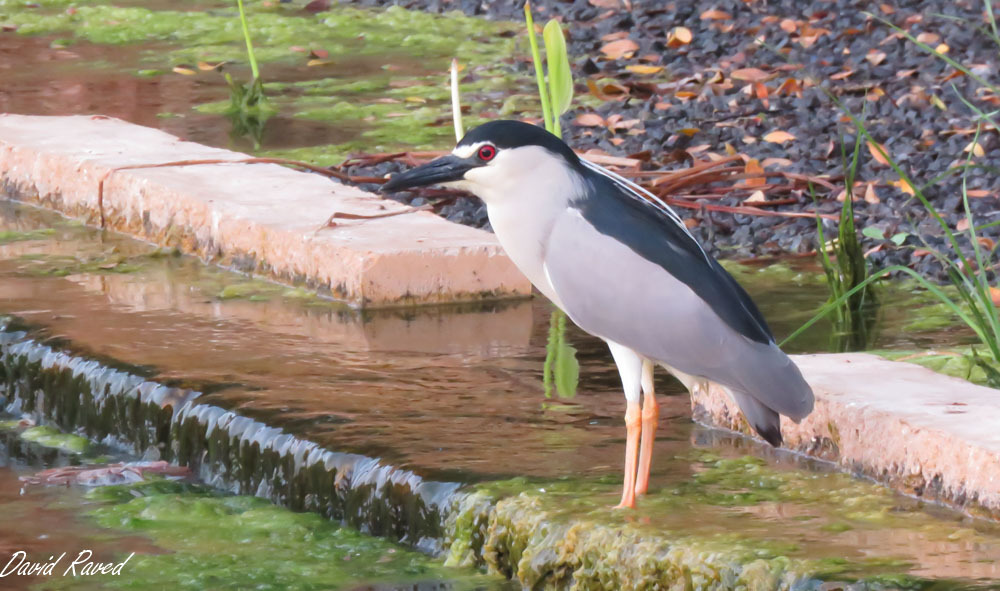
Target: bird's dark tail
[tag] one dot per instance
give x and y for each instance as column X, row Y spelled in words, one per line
column 765, row 421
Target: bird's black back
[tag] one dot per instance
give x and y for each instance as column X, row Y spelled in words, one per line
column 652, row 233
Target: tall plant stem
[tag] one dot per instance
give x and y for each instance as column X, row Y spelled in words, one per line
column 543, row 94
column 246, row 36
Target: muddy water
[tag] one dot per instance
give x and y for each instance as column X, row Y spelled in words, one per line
column 85, row 78
column 455, row 394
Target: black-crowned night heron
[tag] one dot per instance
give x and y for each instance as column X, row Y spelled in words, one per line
column 623, row 267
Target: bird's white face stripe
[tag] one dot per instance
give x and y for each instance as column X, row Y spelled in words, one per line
column 637, row 192
column 468, row 151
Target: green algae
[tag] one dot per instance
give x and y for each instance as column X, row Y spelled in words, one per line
column 7, row 236
column 955, row 362
column 56, row 439
column 399, row 101
column 712, row 529
column 239, row 542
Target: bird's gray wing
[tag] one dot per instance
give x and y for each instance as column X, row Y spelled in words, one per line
column 611, row 291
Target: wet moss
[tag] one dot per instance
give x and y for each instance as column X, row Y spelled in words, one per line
column 240, row 542
column 711, row 529
column 7, row 236
column 399, row 101
column 957, row 362
column 55, row 439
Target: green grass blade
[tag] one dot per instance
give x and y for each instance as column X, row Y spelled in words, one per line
column 935, row 290
column 246, row 36
column 560, row 76
column 536, row 59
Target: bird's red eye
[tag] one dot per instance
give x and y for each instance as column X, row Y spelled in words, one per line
column 487, row 152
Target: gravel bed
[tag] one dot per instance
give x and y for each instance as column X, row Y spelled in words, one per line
column 910, row 100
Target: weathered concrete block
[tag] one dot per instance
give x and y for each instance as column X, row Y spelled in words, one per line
column 921, row 432
column 260, row 218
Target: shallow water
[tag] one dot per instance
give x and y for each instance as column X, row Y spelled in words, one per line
column 340, row 82
column 455, row 394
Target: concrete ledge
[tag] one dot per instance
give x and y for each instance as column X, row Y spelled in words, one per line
column 918, row 431
column 259, row 218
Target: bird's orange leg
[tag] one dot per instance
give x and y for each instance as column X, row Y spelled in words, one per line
column 650, row 417
column 633, row 425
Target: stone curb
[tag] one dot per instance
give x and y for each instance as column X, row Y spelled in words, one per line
column 915, row 430
column 257, row 218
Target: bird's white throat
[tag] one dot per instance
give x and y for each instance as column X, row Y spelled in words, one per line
column 525, row 190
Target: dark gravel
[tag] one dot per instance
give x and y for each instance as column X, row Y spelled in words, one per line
column 926, row 140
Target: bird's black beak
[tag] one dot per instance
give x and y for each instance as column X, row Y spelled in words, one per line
column 444, row 169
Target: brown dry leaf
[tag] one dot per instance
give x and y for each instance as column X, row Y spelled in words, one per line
column 685, row 94
column 976, row 148
column 753, row 167
column 978, row 193
column 995, row 296
column 778, row 137
column 779, row 162
column 661, row 106
column 942, row 48
column 678, row 37
column 962, row 225
column 906, row 73
column 314, row 62
column 873, row 148
column 184, row 70
column 874, row 94
column 928, row 38
column 903, row 186
column 643, row 69
column 761, row 92
column 699, row 148
column 320, row 54
column 206, row 67
column 691, row 223
column 752, row 75
column 755, row 197
column 621, row 48
column 875, row 57
column 841, row 75
column 789, row 86
column 689, row 131
column 589, row 120
column 614, row 36
column 730, row 150
column 886, row 8
column 605, row 3
column 870, row 195
column 617, row 141
column 788, row 25
column 986, row 242
column 715, row 15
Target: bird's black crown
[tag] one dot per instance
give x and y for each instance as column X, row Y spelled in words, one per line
column 505, row 134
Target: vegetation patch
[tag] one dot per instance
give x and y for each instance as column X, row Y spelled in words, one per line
column 214, row 541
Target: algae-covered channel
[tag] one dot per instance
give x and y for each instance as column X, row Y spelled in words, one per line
column 340, row 81
column 427, row 427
